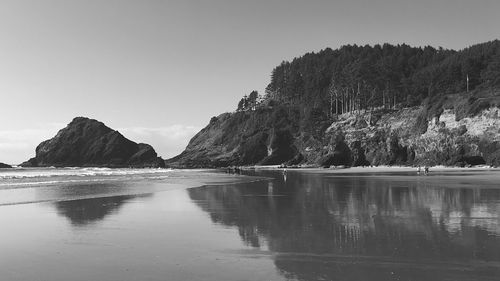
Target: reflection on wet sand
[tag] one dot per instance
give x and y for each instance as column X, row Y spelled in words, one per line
column 352, row 228
column 86, row 211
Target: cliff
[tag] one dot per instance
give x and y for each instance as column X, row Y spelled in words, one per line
column 89, row 143
column 406, row 136
column 363, row 105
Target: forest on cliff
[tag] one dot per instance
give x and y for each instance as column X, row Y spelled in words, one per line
column 360, row 77
column 364, row 105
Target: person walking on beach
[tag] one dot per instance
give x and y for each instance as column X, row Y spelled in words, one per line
column 426, row 170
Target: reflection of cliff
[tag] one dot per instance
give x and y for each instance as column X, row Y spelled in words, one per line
column 352, row 268
column 368, row 216
column 85, row 211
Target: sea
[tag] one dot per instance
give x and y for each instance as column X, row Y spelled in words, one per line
column 263, row 224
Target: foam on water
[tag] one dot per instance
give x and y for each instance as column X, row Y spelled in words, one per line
column 20, row 173
column 30, row 177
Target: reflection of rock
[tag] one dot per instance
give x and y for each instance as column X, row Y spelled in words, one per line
column 85, row 211
column 358, row 217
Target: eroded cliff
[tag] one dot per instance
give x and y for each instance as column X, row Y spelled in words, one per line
column 437, row 133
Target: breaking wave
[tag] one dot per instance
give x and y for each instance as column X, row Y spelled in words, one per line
column 24, row 173
column 32, row 177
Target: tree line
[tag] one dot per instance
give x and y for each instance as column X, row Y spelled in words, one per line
column 364, row 77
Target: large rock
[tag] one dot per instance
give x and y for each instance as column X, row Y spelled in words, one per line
column 339, row 154
column 3, row 166
column 265, row 136
column 89, row 143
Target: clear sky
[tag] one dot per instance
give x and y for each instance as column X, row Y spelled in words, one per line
column 159, row 70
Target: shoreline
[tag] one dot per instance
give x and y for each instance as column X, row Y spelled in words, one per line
column 374, row 169
column 29, row 190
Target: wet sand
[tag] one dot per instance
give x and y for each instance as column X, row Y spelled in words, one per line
column 305, row 225
column 50, row 189
column 119, row 230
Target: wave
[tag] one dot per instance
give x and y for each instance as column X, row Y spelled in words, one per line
column 31, row 173
column 51, row 182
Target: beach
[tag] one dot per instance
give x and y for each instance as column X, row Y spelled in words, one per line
column 311, row 224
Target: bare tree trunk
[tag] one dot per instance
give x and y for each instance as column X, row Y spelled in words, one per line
column 383, row 98
column 342, row 101
column 345, row 100
column 349, row 97
column 330, row 91
column 357, row 99
column 336, row 103
column 352, row 100
column 365, row 104
column 349, row 100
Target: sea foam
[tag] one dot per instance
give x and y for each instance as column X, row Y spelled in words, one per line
column 31, row 173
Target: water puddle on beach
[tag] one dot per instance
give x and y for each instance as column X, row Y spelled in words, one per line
column 298, row 226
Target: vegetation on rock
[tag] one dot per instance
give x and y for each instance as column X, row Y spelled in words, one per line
column 364, row 105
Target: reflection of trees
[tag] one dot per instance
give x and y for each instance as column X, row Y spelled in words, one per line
column 296, row 267
column 85, row 211
column 368, row 216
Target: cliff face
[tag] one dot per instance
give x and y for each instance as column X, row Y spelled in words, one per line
column 394, row 138
column 264, row 136
column 444, row 132
column 4, row 166
column 364, row 105
column 88, row 142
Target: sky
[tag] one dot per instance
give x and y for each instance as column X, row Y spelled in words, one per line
column 157, row 71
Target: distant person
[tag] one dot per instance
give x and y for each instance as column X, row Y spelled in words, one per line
column 426, row 170
column 419, row 169
column 237, row 170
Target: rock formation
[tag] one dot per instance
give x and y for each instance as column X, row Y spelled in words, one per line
column 364, row 105
column 406, row 136
column 89, row 143
column 3, row 166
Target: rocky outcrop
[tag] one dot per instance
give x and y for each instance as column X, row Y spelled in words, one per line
column 264, row 136
column 449, row 133
column 363, row 105
column 4, row 166
column 89, row 143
